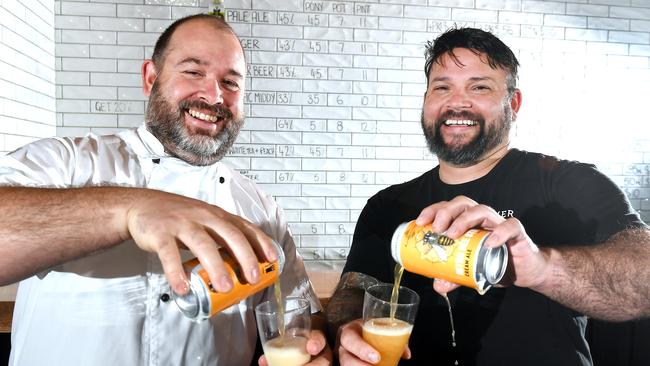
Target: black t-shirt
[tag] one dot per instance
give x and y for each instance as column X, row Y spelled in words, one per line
column 559, row 203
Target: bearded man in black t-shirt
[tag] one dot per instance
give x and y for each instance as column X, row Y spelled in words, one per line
column 576, row 247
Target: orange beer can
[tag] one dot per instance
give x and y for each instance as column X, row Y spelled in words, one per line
column 203, row 302
column 465, row 261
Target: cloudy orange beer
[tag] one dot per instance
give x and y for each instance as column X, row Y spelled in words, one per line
column 388, row 335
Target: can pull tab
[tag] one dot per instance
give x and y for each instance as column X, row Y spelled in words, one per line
column 432, row 238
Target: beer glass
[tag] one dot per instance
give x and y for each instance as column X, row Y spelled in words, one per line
column 287, row 347
column 387, row 325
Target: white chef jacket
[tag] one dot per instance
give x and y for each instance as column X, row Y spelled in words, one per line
column 109, row 308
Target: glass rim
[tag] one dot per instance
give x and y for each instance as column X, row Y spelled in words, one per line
column 401, row 288
column 302, row 304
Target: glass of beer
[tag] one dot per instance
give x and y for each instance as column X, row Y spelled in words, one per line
column 387, row 324
column 284, row 343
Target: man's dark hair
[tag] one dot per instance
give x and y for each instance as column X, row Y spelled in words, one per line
column 159, row 50
column 478, row 41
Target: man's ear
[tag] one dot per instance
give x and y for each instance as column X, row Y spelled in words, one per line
column 515, row 103
column 149, row 76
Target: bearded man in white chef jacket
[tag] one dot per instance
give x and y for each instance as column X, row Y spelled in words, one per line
column 96, row 228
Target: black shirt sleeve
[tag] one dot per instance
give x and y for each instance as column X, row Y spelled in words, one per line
column 599, row 204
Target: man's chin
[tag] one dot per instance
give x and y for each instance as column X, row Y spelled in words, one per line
column 195, row 131
column 454, row 152
column 202, row 145
column 454, row 148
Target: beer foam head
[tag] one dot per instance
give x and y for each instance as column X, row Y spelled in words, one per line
column 287, row 342
column 387, row 327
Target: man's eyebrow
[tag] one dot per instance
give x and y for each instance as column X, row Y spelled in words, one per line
column 194, row 60
column 440, row 78
column 473, row 79
column 482, row 78
column 191, row 60
column 235, row 73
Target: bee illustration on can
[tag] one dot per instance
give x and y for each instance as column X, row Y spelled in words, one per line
column 434, row 247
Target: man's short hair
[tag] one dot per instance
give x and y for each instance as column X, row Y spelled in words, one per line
column 159, row 50
column 478, row 41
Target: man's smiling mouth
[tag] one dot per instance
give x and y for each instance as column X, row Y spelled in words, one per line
column 203, row 116
column 460, row 122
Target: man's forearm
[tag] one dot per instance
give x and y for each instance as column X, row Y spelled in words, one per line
column 43, row 227
column 609, row 281
column 346, row 303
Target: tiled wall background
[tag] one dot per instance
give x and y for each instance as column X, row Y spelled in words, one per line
column 27, row 97
column 335, row 90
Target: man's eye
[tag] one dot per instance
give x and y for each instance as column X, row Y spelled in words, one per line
column 481, row 87
column 440, row 88
column 231, row 85
column 192, row 73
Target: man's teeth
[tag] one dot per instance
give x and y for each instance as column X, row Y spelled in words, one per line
column 460, row 122
column 202, row 116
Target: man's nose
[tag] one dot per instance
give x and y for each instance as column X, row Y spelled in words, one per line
column 458, row 99
column 211, row 92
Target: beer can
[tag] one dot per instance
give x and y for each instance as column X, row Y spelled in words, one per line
column 203, row 302
column 465, row 261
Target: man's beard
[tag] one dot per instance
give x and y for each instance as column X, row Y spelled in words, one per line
column 467, row 154
column 167, row 123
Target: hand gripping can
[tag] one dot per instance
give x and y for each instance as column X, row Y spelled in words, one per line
column 202, row 301
column 465, row 261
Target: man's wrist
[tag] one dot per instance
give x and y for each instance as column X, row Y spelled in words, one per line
column 549, row 272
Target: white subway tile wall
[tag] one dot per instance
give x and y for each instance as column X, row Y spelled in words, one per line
column 334, row 89
column 27, row 71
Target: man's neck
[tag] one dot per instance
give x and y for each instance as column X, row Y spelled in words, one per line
column 452, row 174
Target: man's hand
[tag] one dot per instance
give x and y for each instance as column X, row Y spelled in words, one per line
column 316, row 347
column 528, row 265
column 164, row 223
column 352, row 350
